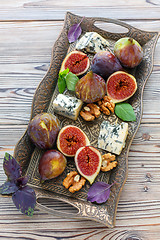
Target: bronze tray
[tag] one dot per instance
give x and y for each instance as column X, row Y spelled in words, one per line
column 28, row 155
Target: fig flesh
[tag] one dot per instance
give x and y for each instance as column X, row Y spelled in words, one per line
column 128, row 51
column 70, row 139
column 90, row 88
column 77, row 62
column 121, row 86
column 88, row 161
column 43, row 130
column 105, row 63
column 52, row 164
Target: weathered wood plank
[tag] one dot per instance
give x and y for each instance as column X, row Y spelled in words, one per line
column 76, row 234
column 143, row 157
column 47, row 226
column 25, row 59
column 51, row 3
column 16, row 104
column 146, row 141
column 42, row 11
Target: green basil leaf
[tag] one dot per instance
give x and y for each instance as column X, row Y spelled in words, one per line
column 64, row 73
column 125, row 112
column 61, row 84
column 71, row 80
column 62, row 80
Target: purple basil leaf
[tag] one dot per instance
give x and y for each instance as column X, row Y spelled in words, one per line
column 99, row 192
column 8, row 188
column 74, row 32
column 25, row 200
column 11, row 167
column 22, row 181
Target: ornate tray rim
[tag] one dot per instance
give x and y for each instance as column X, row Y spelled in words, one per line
column 24, row 148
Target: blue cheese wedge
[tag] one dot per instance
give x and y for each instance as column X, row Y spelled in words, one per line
column 92, row 42
column 67, row 106
column 112, row 137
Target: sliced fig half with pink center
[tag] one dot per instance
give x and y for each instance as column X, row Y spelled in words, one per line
column 121, row 86
column 70, row 139
column 77, row 62
column 88, row 161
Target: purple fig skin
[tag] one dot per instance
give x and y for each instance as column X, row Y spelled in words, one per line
column 52, row 164
column 43, row 130
column 105, row 63
column 128, row 51
column 90, row 88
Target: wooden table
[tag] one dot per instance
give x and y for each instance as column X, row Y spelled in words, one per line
column 28, row 30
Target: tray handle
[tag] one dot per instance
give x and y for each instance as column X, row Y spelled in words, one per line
column 55, row 212
column 43, row 194
column 87, row 211
column 116, row 22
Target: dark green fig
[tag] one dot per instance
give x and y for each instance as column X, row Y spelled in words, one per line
column 43, row 130
column 90, row 88
column 105, row 63
column 52, row 164
column 128, row 51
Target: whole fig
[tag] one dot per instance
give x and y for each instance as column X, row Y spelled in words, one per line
column 105, row 63
column 90, row 88
column 43, row 130
column 128, row 51
column 52, row 164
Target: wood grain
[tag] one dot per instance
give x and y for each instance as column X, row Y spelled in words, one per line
column 27, row 59
column 28, row 31
column 53, row 10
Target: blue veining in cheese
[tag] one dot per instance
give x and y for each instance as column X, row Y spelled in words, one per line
column 112, row 137
column 92, row 42
column 67, row 106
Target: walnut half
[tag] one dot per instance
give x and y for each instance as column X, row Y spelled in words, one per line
column 108, row 162
column 73, row 181
column 106, row 105
column 90, row 112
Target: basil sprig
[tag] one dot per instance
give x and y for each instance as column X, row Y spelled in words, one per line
column 23, row 196
column 125, row 112
column 68, row 79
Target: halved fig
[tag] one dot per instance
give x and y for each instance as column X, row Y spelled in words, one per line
column 121, row 86
column 90, row 88
column 88, row 161
column 77, row 62
column 70, row 139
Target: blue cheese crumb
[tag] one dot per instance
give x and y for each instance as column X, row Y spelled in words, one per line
column 112, row 137
column 67, row 106
column 92, row 42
